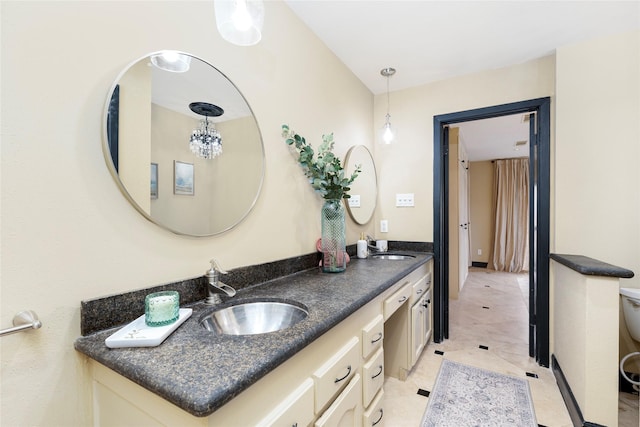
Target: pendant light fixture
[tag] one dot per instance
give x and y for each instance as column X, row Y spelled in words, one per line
column 206, row 142
column 388, row 133
column 240, row 21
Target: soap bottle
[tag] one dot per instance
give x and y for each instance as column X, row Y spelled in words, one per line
column 361, row 247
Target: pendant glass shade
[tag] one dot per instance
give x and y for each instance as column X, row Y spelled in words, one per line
column 388, row 135
column 240, row 21
column 170, row 60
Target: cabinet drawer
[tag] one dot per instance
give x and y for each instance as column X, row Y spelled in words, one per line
column 374, row 416
column 372, row 377
column 346, row 410
column 419, row 288
column 372, row 336
column 295, row 410
column 394, row 302
column 336, row 372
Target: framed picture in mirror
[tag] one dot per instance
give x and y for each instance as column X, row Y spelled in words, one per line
column 154, row 180
column 183, row 178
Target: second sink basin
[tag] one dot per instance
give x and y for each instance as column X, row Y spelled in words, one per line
column 256, row 317
column 391, row 256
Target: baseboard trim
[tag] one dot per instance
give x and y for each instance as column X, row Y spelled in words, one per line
column 569, row 399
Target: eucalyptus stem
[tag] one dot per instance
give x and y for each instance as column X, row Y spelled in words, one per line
column 324, row 170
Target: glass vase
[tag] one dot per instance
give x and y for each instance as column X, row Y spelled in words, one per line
column 334, row 252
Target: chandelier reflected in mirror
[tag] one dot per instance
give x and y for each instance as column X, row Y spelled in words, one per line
column 206, row 141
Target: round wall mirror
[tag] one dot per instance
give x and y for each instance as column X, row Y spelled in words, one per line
column 364, row 190
column 183, row 144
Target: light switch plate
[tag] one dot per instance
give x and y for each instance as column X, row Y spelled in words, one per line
column 404, row 200
column 384, row 226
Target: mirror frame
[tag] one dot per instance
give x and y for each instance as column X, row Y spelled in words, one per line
column 106, row 149
column 348, row 167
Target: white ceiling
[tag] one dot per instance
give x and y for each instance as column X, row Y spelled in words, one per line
column 427, row 41
column 495, row 138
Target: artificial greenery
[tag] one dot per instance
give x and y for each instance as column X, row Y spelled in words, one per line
column 325, row 172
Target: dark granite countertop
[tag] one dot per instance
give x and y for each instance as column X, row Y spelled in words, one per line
column 200, row 371
column 591, row 267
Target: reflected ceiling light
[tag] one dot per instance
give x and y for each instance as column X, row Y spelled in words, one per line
column 170, row 60
column 206, row 141
column 388, row 133
column 240, row 21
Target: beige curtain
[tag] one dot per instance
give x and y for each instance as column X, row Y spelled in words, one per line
column 511, row 234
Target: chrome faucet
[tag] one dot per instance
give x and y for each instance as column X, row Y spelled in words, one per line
column 371, row 247
column 216, row 287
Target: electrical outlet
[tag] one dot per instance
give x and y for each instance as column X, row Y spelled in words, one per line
column 479, row 251
column 404, row 200
column 384, row 226
column 354, row 201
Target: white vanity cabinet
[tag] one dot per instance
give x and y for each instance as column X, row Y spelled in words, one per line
column 302, row 390
column 406, row 319
column 337, row 380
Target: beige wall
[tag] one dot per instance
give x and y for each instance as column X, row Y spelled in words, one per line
column 597, row 155
column 68, row 234
column 481, row 185
column 454, row 207
column 598, row 151
column 407, row 165
column 586, row 310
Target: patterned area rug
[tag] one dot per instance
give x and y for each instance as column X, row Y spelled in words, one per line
column 466, row 396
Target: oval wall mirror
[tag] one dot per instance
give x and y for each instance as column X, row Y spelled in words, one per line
column 183, row 144
column 364, row 190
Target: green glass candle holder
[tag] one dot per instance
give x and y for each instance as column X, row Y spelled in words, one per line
column 161, row 308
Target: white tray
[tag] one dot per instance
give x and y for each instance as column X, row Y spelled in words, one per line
column 138, row 334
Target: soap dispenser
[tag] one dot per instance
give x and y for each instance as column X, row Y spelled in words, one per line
column 361, row 247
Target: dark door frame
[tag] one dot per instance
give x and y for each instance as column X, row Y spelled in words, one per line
column 539, row 208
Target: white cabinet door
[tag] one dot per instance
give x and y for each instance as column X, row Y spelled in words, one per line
column 295, row 410
column 417, row 331
column 346, row 410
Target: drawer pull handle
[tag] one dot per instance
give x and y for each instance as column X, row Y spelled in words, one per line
column 337, row 380
column 377, row 338
column 403, row 299
column 379, row 372
column 379, row 418
column 419, row 291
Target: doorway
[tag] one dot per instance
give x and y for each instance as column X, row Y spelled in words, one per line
column 539, row 158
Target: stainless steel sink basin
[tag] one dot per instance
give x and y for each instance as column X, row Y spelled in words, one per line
column 391, row 256
column 251, row 318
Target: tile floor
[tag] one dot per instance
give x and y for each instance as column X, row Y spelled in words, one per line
column 492, row 311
